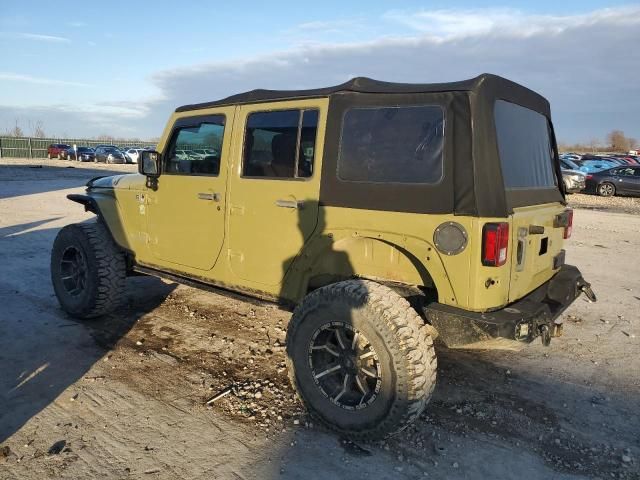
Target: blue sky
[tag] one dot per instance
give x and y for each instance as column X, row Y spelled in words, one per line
column 89, row 68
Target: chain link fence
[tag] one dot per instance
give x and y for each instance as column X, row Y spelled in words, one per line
column 28, row 147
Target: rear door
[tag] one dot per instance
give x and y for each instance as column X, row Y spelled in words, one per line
column 626, row 180
column 274, row 191
column 186, row 212
column 527, row 160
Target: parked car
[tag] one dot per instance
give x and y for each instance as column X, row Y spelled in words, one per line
column 574, row 180
column 615, row 181
column 86, row 154
column 55, row 149
column 132, row 154
column 385, row 212
column 568, row 164
column 109, row 155
column 591, row 166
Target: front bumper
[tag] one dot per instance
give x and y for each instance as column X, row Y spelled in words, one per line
column 524, row 320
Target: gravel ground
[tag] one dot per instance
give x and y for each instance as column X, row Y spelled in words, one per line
column 127, row 396
column 609, row 204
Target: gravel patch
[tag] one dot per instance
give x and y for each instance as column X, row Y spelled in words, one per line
column 610, row 204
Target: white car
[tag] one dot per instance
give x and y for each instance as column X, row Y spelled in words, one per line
column 132, row 154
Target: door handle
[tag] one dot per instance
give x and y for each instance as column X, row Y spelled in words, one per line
column 215, row 197
column 289, row 204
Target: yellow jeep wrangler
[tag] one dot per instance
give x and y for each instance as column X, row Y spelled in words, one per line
column 383, row 214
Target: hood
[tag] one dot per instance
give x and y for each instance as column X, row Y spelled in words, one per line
column 127, row 182
column 573, row 172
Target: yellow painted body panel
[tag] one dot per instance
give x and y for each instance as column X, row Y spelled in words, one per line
column 246, row 242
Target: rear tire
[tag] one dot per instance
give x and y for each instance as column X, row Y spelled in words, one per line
column 606, row 189
column 88, row 270
column 377, row 350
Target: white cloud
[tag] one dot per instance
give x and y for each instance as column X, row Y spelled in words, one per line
column 34, row 36
column 451, row 24
column 17, row 77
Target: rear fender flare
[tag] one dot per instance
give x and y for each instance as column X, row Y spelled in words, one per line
column 336, row 256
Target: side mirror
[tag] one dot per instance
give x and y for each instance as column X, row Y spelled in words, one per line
column 149, row 163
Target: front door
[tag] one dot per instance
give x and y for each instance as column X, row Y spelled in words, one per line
column 274, row 193
column 186, row 211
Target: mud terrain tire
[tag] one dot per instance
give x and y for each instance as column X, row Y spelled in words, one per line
column 404, row 359
column 88, row 270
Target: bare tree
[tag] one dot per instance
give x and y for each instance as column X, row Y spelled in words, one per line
column 38, row 130
column 16, row 131
column 618, row 141
column 594, row 145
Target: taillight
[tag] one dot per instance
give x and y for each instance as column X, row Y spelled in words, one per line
column 589, row 177
column 569, row 226
column 495, row 243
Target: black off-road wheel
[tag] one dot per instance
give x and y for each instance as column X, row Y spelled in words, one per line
column 88, row 270
column 361, row 359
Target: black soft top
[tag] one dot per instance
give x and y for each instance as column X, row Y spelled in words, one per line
column 368, row 85
column 472, row 181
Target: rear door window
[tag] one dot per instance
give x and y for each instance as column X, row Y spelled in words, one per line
column 392, row 145
column 280, row 144
column 524, row 144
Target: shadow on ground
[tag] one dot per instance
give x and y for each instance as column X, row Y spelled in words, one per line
column 42, row 350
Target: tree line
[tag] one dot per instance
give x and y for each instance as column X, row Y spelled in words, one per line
column 37, row 130
column 615, row 140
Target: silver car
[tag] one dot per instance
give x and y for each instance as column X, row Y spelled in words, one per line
column 574, row 180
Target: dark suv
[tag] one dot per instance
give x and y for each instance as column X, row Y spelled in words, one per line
column 85, row 154
column 109, row 155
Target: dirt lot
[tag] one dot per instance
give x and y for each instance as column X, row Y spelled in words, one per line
column 124, row 396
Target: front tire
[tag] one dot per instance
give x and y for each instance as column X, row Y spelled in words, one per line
column 361, row 359
column 606, row 189
column 88, row 270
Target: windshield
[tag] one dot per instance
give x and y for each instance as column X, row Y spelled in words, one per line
column 524, row 145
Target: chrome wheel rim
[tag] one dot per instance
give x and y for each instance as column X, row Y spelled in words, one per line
column 345, row 366
column 73, row 271
column 606, row 189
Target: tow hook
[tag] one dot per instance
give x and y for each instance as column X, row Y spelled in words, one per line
column 545, row 335
column 586, row 289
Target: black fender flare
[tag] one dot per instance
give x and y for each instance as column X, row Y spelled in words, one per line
column 90, row 204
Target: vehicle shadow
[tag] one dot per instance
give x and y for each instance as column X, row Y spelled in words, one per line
column 30, row 178
column 43, row 351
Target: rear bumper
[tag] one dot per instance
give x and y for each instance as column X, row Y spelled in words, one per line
column 522, row 321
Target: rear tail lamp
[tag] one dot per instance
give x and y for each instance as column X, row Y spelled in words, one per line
column 568, row 228
column 495, row 244
column 589, row 177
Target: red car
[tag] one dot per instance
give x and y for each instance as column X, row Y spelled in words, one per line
column 55, row 149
